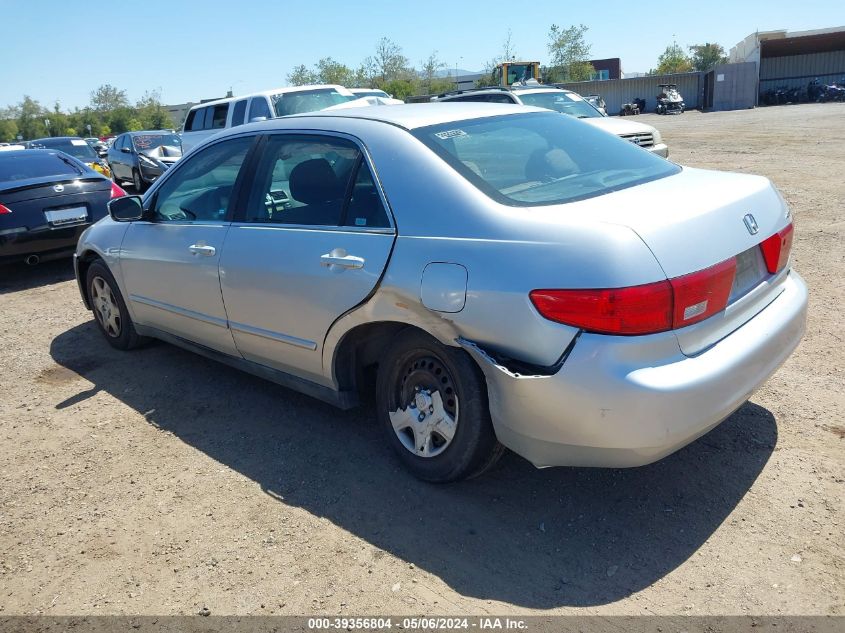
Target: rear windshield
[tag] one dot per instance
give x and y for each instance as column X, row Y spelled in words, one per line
column 307, row 101
column 541, row 158
column 76, row 147
column 31, row 164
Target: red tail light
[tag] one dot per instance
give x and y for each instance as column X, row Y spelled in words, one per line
column 4, row 210
column 646, row 309
column 702, row 294
column 776, row 249
column 116, row 191
column 633, row 310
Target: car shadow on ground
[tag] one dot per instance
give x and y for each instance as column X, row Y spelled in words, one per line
column 18, row 277
column 528, row 537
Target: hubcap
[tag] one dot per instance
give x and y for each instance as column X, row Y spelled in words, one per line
column 427, row 417
column 105, row 306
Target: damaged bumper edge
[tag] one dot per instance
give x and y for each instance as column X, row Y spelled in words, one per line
column 629, row 401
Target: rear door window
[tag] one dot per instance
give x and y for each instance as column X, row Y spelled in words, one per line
column 218, row 116
column 197, row 121
column 238, row 113
column 258, row 107
column 304, row 180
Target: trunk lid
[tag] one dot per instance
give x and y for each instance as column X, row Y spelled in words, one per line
column 49, row 187
column 697, row 219
column 35, row 203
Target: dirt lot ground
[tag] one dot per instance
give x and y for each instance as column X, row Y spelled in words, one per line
column 157, row 482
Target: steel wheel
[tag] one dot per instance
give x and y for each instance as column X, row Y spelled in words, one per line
column 106, row 308
column 427, row 417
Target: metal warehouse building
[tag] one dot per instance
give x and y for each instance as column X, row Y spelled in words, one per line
column 793, row 59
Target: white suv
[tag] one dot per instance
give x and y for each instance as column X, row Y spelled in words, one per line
column 571, row 103
column 210, row 117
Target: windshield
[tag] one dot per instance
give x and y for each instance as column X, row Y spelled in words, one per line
column 76, row 147
column 561, row 102
column 539, row 159
column 25, row 165
column 307, row 101
column 145, row 142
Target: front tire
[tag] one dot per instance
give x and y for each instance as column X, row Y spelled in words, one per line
column 109, row 309
column 137, row 181
column 432, row 404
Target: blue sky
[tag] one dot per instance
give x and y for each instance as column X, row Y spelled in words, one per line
column 55, row 49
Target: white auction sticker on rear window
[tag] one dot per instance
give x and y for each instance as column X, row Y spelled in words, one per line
column 74, row 141
column 449, row 134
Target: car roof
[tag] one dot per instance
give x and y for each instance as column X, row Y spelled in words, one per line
column 268, row 93
column 415, row 115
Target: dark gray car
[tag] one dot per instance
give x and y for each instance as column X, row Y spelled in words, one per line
column 141, row 157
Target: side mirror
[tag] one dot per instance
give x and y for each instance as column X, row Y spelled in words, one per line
column 126, row 209
column 125, row 150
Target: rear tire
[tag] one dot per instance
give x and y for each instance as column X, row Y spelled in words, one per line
column 432, row 404
column 109, row 309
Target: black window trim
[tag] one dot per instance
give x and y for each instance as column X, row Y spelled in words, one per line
column 240, row 216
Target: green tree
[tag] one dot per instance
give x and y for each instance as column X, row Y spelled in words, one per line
column 151, row 113
column 389, row 61
column 672, row 60
column 8, row 130
column 399, row 88
column 329, row 71
column 569, row 53
column 120, row 120
column 365, row 74
column 58, row 121
column 31, row 119
column 107, row 98
column 301, row 76
column 703, row 57
column 428, row 72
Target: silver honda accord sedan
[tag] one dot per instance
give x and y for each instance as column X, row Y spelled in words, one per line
column 500, row 276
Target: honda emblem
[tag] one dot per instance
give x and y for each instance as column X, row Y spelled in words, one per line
column 751, row 224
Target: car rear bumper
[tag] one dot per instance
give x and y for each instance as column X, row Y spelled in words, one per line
column 45, row 242
column 629, row 401
column 661, row 149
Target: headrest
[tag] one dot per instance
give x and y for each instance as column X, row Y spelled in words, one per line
column 314, row 182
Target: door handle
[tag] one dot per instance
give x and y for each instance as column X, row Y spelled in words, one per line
column 339, row 258
column 202, row 249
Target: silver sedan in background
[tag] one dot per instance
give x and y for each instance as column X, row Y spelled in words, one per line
column 500, row 276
